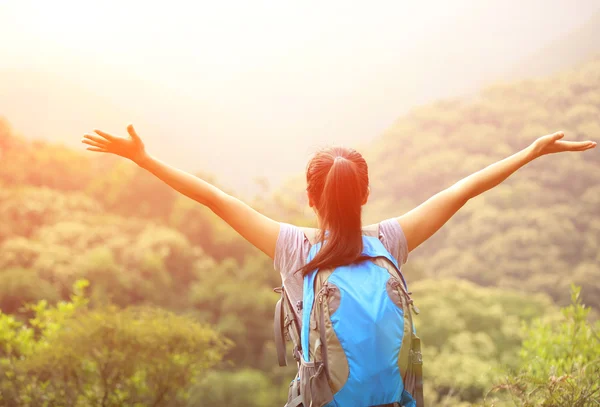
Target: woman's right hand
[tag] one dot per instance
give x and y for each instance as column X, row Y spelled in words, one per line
column 131, row 147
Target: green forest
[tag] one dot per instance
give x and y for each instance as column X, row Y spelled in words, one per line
column 116, row 291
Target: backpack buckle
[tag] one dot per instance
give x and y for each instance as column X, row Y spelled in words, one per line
column 296, row 352
column 415, row 309
column 416, row 357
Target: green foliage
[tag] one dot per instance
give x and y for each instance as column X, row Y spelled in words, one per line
column 560, row 360
column 204, row 229
column 41, row 164
column 70, row 355
column 19, row 287
column 470, row 335
column 127, row 261
column 24, row 210
column 127, row 190
column 242, row 388
column 239, row 302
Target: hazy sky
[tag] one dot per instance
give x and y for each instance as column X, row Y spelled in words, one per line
column 284, row 76
column 208, row 45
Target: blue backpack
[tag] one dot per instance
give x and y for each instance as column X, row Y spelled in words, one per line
column 356, row 345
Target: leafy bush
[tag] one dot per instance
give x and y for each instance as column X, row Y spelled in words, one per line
column 73, row 356
column 560, row 361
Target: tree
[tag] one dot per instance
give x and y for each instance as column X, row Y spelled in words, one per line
column 242, row 388
column 470, row 335
column 72, row 355
column 560, row 361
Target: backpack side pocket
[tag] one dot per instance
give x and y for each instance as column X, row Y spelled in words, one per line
column 295, row 398
column 314, row 385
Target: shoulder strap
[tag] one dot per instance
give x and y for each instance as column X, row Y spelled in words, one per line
column 312, row 234
column 285, row 326
column 278, row 330
column 371, row 230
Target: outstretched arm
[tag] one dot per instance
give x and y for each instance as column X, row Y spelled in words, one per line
column 258, row 229
column 423, row 221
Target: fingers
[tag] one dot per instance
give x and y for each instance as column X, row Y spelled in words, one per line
column 94, row 138
column 584, row 145
column 558, row 135
column 588, row 144
column 97, row 150
column 575, row 145
column 93, row 143
column 105, row 135
column 132, row 133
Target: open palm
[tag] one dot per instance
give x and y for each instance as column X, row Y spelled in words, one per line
column 130, row 147
column 552, row 143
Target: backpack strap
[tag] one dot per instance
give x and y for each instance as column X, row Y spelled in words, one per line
column 285, row 325
column 371, row 230
column 279, row 332
column 296, row 401
column 312, row 234
column 413, row 379
column 417, row 365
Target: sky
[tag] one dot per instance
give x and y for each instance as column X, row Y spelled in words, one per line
column 261, row 84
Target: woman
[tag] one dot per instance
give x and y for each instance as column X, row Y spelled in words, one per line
column 337, row 187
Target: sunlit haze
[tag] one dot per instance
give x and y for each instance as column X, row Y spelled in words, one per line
column 247, row 89
column 142, row 272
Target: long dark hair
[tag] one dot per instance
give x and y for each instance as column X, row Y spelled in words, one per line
column 337, row 181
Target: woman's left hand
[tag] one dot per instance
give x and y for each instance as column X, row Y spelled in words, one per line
column 552, row 143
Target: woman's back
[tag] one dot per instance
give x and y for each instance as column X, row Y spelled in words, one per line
column 294, row 243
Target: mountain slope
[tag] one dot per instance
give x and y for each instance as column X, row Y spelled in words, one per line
column 539, row 230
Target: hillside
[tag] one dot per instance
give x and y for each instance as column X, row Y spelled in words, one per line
column 66, row 217
column 538, row 231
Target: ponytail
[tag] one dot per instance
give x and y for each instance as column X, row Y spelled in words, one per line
column 339, row 205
